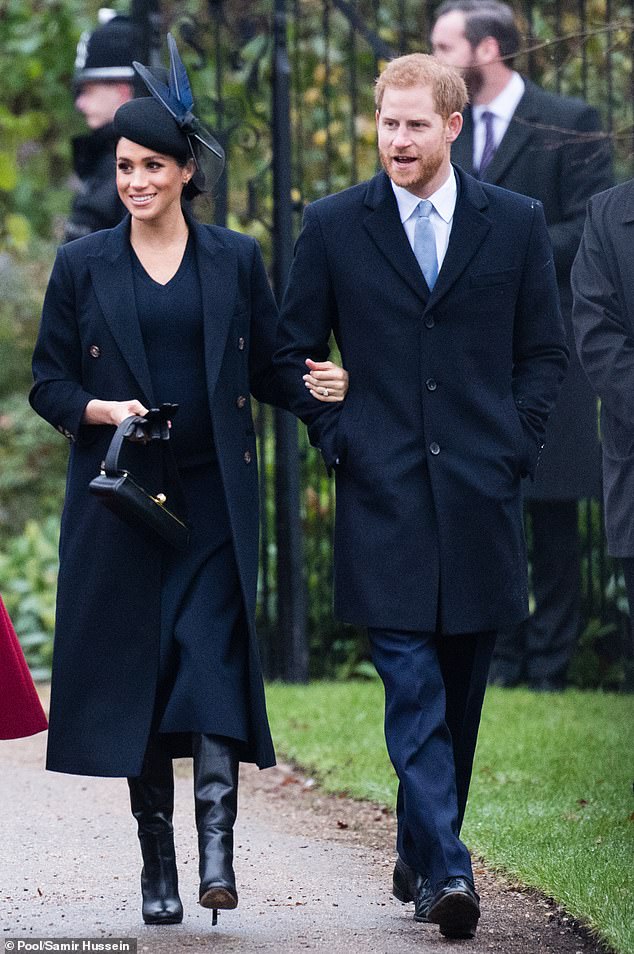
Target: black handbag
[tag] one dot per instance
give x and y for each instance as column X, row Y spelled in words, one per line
column 121, row 494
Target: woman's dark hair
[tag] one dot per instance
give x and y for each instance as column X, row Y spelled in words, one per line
column 190, row 189
column 485, row 18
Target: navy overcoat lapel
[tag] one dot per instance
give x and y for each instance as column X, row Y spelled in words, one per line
column 218, row 271
column 111, row 273
column 469, row 229
column 386, row 229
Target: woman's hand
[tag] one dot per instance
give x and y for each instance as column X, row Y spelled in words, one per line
column 112, row 412
column 326, row 381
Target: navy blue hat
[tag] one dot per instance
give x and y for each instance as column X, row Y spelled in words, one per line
column 176, row 101
column 147, row 123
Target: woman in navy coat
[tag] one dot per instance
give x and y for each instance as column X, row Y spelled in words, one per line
column 156, row 651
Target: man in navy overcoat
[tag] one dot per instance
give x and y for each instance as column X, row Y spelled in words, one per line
column 447, row 317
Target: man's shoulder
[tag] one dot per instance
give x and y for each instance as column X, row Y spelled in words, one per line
column 505, row 198
column 612, row 200
column 554, row 106
column 341, row 203
column 500, row 200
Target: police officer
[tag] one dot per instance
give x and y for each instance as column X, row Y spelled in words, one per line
column 104, row 80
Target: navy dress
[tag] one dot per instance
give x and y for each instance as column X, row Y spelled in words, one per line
column 204, row 644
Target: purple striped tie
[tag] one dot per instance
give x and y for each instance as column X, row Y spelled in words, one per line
column 489, row 143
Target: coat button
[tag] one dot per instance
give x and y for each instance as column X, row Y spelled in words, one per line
column 247, row 457
column 430, row 384
column 434, row 448
column 94, row 351
column 241, row 401
column 241, row 344
column 430, row 321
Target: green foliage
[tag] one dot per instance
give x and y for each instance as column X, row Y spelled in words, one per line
column 28, row 577
column 22, row 284
column 37, row 116
column 551, row 797
column 33, row 459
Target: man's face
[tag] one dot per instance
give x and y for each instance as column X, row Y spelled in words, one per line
column 415, row 140
column 98, row 102
column 450, row 46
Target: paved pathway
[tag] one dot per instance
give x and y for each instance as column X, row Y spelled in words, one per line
column 313, row 872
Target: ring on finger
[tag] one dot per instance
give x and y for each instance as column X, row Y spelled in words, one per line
column 324, row 391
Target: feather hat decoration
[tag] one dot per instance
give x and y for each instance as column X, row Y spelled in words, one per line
column 178, row 100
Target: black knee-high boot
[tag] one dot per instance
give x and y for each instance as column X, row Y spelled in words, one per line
column 152, row 801
column 216, row 794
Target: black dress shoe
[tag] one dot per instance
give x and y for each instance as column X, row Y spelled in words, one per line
column 405, row 881
column 423, row 900
column 455, row 908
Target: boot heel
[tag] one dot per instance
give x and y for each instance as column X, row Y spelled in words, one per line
column 219, row 899
column 216, row 798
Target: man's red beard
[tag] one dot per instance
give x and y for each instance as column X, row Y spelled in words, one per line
column 415, row 174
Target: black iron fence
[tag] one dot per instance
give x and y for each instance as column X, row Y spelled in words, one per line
column 287, row 87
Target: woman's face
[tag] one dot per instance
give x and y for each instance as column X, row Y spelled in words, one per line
column 149, row 183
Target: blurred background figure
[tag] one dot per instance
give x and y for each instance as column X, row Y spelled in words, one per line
column 104, row 80
column 518, row 136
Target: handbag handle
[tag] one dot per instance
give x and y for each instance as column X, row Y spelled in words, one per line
column 124, row 430
column 154, row 425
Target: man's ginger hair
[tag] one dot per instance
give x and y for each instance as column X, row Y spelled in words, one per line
column 419, row 69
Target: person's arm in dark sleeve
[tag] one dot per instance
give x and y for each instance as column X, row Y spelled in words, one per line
column 540, row 354
column 585, row 168
column 308, row 316
column 264, row 381
column 603, row 335
column 57, row 393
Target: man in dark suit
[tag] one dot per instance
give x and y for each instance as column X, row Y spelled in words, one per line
column 442, row 296
column 603, row 320
column 522, row 138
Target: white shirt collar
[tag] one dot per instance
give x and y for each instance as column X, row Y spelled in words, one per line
column 506, row 102
column 443, row 199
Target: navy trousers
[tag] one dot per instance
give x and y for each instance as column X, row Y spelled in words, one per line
column 539, row 650
column 434, row 689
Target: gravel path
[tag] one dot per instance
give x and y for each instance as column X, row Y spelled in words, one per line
column 314, row 872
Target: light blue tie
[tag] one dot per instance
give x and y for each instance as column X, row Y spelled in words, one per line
column 425, row 243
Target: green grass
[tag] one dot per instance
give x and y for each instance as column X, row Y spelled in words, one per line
column 551, row 800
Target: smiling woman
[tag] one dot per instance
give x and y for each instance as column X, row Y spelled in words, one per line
column 150, row 185
column 160, row 657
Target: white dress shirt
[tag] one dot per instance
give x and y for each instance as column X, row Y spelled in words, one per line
column 503, row 108
column 443, row 201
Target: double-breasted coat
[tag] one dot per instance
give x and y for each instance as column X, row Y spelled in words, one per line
column 448, row 400
column 603, row 320
column 106, row 655
column 554, row 151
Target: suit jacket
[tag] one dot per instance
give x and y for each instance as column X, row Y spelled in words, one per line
column 449, row 396
column 603, row 319
column 105, row 665
column 544, row 154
